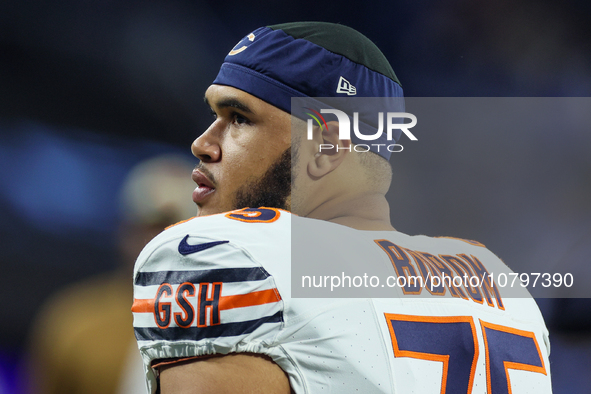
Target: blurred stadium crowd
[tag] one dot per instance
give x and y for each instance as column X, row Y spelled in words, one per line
column 89, row 90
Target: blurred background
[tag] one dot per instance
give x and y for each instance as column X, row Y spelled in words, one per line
column 91, row 89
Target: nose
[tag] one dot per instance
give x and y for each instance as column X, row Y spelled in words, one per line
column 206, row 147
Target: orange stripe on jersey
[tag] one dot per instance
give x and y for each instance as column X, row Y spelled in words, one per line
column 251, row 299
column 143, row 305
column 181, row 222
column 226, row 302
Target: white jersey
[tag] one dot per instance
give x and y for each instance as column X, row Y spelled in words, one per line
column 221, row 284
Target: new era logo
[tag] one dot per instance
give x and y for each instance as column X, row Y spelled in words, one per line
column 346, row 87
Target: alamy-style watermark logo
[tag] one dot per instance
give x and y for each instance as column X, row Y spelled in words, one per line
column 345, row 129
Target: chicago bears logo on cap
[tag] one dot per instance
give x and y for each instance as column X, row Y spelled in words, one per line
column 245, row 43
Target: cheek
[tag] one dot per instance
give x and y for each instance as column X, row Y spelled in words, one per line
column 240, row 165
column 253, row 158
column 251, row 154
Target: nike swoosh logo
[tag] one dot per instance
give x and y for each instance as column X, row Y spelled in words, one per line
column 185, row 248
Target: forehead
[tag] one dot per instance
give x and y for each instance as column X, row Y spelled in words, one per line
column 218, row 96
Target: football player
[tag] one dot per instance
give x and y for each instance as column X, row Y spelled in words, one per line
column 213, row 308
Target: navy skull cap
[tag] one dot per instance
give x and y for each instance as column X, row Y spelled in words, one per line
column 309, row 59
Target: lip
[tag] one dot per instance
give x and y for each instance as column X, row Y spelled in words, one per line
column 205, row 186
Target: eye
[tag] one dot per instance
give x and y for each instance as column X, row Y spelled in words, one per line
column 240, row 119
column 212, row 113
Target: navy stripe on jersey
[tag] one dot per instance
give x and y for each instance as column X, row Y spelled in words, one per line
column 198, row 333
column 225, row 275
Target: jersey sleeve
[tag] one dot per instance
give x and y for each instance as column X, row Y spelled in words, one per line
column 198, row 295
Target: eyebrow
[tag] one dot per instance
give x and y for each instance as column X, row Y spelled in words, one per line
column 230, row 103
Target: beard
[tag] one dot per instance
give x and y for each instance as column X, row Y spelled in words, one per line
column 271, row 190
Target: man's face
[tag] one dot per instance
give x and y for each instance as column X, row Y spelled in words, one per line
column 245, row 154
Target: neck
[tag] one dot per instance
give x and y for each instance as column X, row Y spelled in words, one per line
column 365, row 212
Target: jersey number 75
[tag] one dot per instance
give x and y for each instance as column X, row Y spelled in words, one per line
column 453, row 341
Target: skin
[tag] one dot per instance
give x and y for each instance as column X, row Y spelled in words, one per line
column 247, row 136
column 246, row 139
column 334, row 186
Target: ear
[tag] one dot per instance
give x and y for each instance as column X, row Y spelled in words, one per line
column 331, row 151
